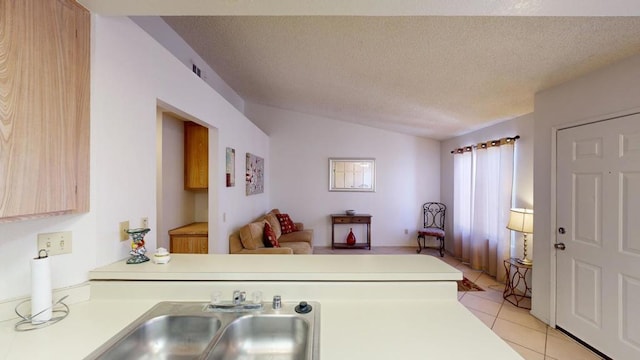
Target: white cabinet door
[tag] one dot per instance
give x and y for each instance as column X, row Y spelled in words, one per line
column 598, row 217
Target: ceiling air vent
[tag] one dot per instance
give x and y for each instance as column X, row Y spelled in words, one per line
column 196, row 70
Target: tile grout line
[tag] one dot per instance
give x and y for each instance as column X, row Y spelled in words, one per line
column 526, row 347
column 546, row 340
column 525, row 326
column 496, row 319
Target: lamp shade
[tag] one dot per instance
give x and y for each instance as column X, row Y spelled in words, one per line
column 521, row 220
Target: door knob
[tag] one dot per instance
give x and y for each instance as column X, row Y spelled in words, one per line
column 561, row 230
column 559, row 246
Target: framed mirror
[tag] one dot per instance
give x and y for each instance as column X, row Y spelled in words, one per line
column 352, row 174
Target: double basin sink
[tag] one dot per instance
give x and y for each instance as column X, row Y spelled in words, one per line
column 193, row 330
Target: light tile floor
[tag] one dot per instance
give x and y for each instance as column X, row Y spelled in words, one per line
column 530, row 337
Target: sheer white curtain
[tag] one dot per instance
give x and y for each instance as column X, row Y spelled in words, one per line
column 481, row 214
column 462, row 195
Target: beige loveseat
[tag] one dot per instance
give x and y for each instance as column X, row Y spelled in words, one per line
column 249, row 238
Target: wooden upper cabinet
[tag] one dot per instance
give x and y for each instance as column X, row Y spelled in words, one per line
column 44, row 108
column 196, row 156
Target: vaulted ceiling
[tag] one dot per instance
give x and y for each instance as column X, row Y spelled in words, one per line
column 428, row 76
column 432, row 76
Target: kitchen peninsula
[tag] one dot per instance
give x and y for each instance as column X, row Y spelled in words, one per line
column 372, row 306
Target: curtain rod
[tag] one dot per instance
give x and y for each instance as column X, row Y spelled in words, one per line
column 484, row 145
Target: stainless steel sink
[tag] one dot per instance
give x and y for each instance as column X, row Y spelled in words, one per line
column 166, row 337
column 190, row 330
column 264, row 337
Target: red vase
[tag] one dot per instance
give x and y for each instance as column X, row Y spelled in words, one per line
column 351, row 239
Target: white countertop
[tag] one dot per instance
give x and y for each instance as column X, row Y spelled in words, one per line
column 284, row 268
column 350, row 327
column 374, row 307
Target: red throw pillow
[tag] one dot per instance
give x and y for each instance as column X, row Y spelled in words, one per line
column 286, row 223
column 269, row 238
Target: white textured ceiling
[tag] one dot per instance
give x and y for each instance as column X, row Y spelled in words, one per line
column 458, row 66
column 428, row 76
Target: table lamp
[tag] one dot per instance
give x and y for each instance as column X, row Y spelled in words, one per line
column 521, row 220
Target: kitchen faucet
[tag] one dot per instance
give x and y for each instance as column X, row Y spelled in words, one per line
column 239, row 297
column 238, row 304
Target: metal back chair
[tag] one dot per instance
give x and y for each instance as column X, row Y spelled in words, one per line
column 433, row 214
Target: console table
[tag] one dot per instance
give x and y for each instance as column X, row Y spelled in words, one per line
column 517, row 275
column 351, row 219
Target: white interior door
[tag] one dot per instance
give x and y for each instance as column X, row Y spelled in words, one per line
column 598, row 218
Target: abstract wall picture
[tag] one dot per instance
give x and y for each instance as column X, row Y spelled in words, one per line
column 255, row 174
column 231, row 167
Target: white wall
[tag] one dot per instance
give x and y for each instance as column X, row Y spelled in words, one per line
column 612, row 90
column 523, row 181
column 165, row 35
column 131, row 75
column 407, row 174
column 201, row 206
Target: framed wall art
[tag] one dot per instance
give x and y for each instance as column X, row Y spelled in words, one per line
column 255, row 174
column 231, row 167
column 352, row 174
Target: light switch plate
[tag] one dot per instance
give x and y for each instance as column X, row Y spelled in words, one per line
column 124, row 226
column 55, row 243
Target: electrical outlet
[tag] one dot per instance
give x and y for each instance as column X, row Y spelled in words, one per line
column 55, row 243
column 124, row 226
column 144, row 222
column 406, row 231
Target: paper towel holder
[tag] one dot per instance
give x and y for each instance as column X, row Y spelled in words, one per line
column 25, row 324
column 59, row 308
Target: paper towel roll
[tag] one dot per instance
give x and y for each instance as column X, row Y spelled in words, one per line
column 41, row 294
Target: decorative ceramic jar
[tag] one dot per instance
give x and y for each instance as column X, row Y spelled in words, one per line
column 137, row 245
column 161, row 256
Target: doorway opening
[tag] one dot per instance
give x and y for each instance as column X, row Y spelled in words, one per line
column 180, row 205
